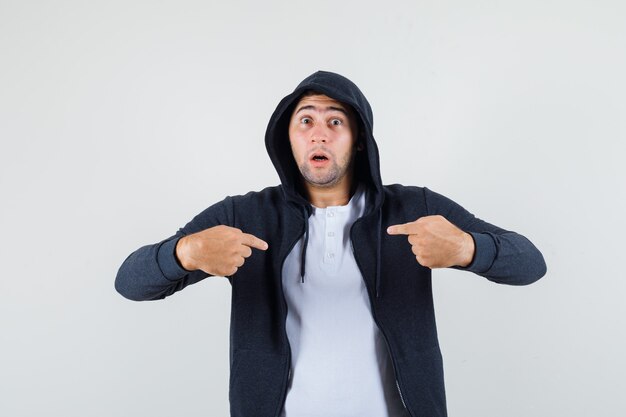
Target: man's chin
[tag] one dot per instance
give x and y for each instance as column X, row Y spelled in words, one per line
column 328, row 178
column 321, row 182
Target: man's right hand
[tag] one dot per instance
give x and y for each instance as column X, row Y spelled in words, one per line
column 219, row 250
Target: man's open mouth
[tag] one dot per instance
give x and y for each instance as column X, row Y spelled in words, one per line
column 319, row 156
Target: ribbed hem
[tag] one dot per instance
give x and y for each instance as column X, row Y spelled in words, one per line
column 169, row 264
column 484, row 254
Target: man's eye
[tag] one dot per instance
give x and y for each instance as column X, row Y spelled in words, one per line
column 336, row 122
column 305, row 120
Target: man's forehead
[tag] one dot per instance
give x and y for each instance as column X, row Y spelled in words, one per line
column 319, row 100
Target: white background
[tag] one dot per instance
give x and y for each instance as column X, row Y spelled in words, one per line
column 121, row 120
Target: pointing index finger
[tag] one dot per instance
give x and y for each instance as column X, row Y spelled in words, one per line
column 400, row 229
column 254, row 242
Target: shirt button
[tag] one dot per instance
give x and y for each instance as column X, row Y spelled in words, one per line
column 331, row 214
column 330, row 255
column 331, row 234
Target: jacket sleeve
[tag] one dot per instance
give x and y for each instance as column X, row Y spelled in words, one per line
column 501, row 256
column 153, row 272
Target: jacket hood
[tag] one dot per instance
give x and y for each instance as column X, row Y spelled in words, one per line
column 367, row 164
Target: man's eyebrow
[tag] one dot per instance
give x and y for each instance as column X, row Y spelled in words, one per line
column 312, row 107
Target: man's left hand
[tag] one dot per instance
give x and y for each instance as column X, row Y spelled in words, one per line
column 436, row 242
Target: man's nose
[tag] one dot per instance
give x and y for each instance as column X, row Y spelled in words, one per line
column 319, row 135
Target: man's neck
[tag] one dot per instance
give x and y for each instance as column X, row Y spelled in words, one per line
column 338, row 195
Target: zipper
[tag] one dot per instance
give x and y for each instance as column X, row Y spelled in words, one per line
column 369, row 294
column 282, row 292
column 400, row 392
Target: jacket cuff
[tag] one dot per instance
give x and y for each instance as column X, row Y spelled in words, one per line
column 484, row 253
column 169, row 264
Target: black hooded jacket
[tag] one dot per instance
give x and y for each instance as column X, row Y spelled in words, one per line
column 399, row 288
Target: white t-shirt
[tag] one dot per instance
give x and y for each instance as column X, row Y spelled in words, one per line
column 340, row 365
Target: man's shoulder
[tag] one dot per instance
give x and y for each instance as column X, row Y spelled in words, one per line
column 431, row 202
column 403, row 191
column 269, row 196
column 404, row 202
column 422, row 200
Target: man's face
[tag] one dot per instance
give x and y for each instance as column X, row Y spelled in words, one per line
column 322, row 133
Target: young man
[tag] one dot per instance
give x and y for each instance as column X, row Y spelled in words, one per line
column 332, row 311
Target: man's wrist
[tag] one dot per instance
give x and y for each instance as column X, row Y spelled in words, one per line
column 468, row 251
column 180, row 254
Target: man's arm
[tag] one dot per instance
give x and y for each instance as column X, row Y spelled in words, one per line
column 442, row 239
column 153, row 272
column 205, row 246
